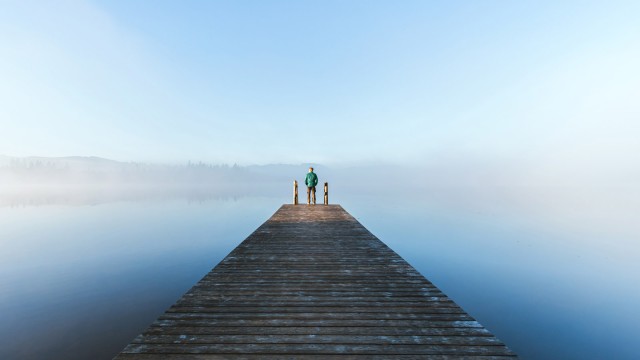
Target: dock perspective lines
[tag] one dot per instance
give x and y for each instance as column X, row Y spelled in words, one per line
column 312, row 282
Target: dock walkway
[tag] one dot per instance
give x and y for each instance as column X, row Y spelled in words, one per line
column 312, row 282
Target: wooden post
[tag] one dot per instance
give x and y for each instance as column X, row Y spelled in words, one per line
column 295, row 192
column 326, row 193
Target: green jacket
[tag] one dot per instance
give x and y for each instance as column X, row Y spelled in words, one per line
column 311, row 180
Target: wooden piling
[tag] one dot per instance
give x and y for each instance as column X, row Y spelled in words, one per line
column 326, row 193
column 295, row 192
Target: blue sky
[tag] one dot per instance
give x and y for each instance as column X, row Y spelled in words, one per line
column 549, row 84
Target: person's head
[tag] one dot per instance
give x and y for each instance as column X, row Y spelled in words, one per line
column 310, row 169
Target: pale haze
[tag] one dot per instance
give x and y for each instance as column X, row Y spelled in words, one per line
column 545, row 85
column 495, row 145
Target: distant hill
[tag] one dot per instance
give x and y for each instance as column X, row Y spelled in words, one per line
column 96, row 170
column 71, row 170
column 38, row 180
column 91, row 170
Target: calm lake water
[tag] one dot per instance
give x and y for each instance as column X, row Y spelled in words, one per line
column 551, row 272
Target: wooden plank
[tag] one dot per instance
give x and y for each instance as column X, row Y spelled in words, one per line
column 313, row 338
column 223, row 356
column 312, row 282
column 317, row 330
column 317, row 349
column 425, row 323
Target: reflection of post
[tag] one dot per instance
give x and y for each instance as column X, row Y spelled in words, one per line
column 326, row 193
column 295, row 192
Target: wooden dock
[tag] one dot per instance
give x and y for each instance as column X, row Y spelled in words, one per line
column 312, row 282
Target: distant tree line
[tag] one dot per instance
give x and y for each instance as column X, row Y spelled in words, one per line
column 96, row 170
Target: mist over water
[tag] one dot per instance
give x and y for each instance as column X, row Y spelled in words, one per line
column 549, row 269
column 493, row 147
column 80, row 281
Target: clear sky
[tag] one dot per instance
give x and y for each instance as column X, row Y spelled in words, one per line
column 334, row 82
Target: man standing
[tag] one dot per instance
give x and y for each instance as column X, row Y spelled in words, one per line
column 311, row 181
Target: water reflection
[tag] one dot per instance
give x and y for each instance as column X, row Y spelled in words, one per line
column 95, row 194
column 79, row 282
column 550, row 271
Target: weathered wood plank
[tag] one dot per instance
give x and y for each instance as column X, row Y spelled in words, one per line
column 313, row 338
column 312, row 282
column 319, row 349
column 450, row 309
column 325, row 323
column 223, row 356
column 319, row 322
column 320, row 300
column 314, row 316
column 317, row 330
column 286, row 291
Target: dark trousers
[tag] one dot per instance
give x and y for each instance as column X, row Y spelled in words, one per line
column 311, row 194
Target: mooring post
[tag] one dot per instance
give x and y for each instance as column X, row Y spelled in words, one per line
column 295, row 192
column 326, row 193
